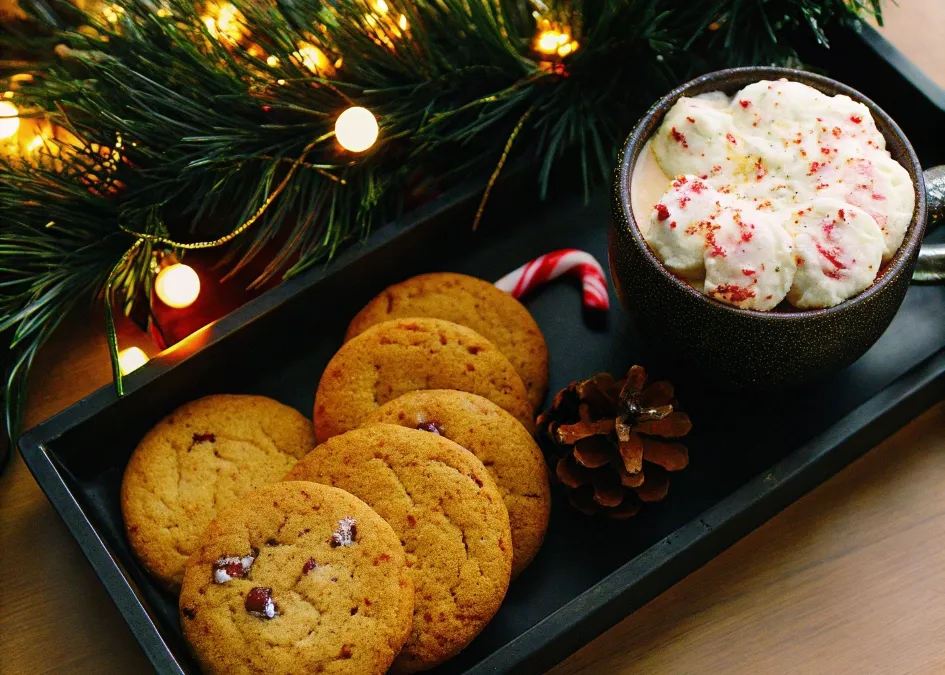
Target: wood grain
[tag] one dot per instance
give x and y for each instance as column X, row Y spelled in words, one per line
column 851, row 578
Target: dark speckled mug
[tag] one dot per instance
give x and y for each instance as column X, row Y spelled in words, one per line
column 739, row 348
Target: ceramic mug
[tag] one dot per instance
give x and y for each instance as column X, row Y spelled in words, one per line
column 740, row 348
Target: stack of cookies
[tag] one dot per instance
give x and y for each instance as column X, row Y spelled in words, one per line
column 391, row 544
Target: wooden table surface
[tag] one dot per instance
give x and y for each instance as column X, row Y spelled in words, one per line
column 849, row 579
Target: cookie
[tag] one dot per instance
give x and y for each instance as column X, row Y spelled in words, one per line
column 449, row 516
column 297, row 578
column 474, row 303
column 403, row 355
column 202, row 455
column 505, row 448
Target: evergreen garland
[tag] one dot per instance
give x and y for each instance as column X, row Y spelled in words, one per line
column 182, row 129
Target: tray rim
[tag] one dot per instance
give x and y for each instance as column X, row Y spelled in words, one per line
column 892, row 55
column 557, row 634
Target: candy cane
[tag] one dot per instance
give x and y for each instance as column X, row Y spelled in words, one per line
column 551, row 266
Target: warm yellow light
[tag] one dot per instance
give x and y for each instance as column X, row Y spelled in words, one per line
column 381, row 6
column 272, row 61
column 402, row 22
column 177, row 285
column 564, row 50
column 356, row 129
column 313, row 58
column 548, row 42
column 35, row 144
column 553, row 41
column 9, row 122
column 131, row 359
column 225, row 22
column 112, row 13
column 163, row 13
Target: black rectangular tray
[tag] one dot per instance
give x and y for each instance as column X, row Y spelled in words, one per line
column 750, row 457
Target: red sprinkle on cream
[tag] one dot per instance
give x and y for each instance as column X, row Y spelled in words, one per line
column 832, row 256
column 734, row 293
column 717, row 251
column 662, row 213
column 679, row 137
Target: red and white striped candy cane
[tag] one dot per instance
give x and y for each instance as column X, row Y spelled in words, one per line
column 551, row 266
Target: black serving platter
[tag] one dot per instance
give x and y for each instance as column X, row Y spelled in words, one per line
column 750, row 456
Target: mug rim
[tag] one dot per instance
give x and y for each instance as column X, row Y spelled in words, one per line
column 630, row 151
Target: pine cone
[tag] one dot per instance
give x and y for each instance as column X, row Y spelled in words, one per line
column 608, row 442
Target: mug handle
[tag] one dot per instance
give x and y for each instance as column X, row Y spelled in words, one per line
column 930, row 267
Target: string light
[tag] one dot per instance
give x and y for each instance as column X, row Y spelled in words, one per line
column 225, row 22
column 402, row 22
column 177, row 285
column 381, row 6
column 131, row 359
column 113, row 13
column 553, row 40
column 314, row 59
column 9, row 119
column 356, row 129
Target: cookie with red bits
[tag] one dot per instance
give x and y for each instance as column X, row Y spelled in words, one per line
column 297, row 577
column 504, row 446
column 474, row 303
column 450, row 518
column 200, row 457
column 402, row 355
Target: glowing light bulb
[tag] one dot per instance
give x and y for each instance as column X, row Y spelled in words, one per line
column 402, row 22
column 9, row 122
column 381, row 6
column 225, row 22
column 548, row 42
column 356, row 129
column 313, row 58
column 177, row 285
column 272, row 61
column 131, row 359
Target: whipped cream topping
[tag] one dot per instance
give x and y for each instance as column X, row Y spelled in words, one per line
column 780, row 192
